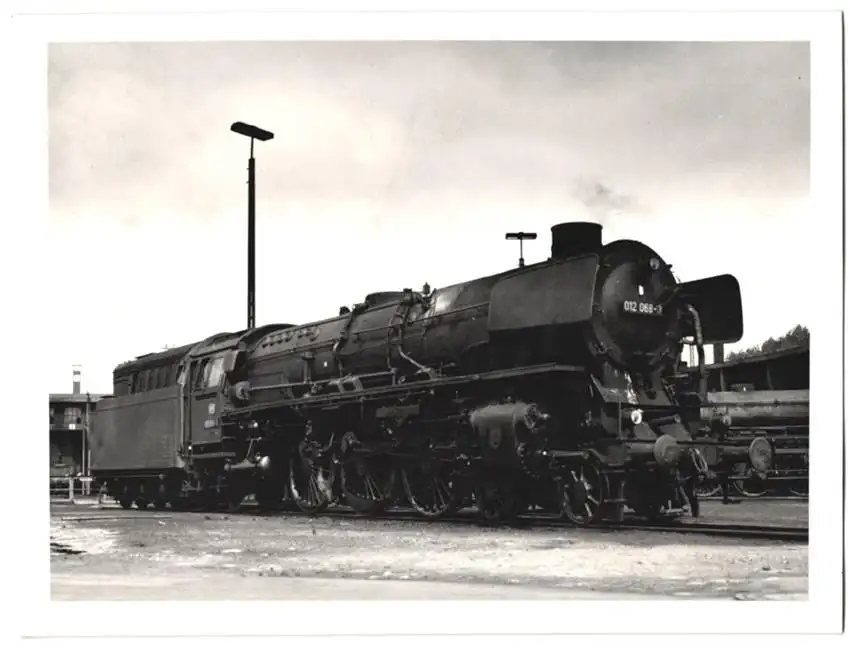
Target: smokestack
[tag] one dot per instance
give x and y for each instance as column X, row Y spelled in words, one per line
column 575, row 238
column 76, row 380
column 718, row 353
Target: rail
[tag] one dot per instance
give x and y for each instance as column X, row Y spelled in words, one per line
column 773, row 533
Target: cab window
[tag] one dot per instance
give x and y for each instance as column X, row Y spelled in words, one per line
column 199, row 376
column 214, row 373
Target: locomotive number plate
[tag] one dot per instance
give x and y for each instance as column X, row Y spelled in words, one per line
column 638, row 307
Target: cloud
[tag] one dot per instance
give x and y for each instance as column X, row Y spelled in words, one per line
column 387, row 120
column 602, row 201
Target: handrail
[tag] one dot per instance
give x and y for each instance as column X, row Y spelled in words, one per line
column 71, row 485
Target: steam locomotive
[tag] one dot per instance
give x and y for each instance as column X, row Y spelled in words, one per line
column 540, row 387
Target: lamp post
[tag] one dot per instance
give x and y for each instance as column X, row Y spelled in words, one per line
column 252, row 132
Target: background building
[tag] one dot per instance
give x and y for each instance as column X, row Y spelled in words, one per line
column 70, row 418
column 779, row 370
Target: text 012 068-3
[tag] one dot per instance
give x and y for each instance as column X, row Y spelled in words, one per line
column 639, row 307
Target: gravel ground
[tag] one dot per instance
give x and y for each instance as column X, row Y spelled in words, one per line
column 109, row 553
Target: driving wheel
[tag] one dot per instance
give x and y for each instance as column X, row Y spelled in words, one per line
column 368, row 483
column 799, row 488
column 584, row 489
column 311, row 483
column 430, row 489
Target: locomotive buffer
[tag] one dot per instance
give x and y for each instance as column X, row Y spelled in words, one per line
column 521, row 235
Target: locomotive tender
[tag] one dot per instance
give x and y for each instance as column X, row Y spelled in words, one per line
column 539, row 386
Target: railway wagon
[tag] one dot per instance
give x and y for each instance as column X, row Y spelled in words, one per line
column 781, row 417
column 541, row 385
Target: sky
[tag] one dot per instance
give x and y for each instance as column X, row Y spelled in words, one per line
column 396, row 164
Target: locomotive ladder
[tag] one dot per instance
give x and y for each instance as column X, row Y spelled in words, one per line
column 341, row 340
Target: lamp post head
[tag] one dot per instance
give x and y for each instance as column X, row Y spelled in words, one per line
column 251, row 131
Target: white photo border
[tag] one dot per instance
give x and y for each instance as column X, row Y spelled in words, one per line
column 29, row 274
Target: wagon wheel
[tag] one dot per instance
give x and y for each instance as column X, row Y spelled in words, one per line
column 584, row 489
column 497, row 499
column 127, row 497
column 143, row 499
column 430, row 490
column 160, row 499
column 311, row 484
column 368, row 483
column 708, row 489
column 799, row 488
column 752, row 486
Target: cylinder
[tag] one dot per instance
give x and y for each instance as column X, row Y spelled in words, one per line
column 500, row 429
column 575, row 238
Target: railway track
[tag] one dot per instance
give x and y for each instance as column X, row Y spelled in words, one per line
column 538, row 520
column 789, row 534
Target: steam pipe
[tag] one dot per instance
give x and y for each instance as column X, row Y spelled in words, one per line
column 703, row 373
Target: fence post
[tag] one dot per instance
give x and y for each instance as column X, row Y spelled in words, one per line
column 71, row 489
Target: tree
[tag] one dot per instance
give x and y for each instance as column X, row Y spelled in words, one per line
column 796, row 337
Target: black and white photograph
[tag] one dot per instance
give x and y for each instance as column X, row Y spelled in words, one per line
column 369, row 308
